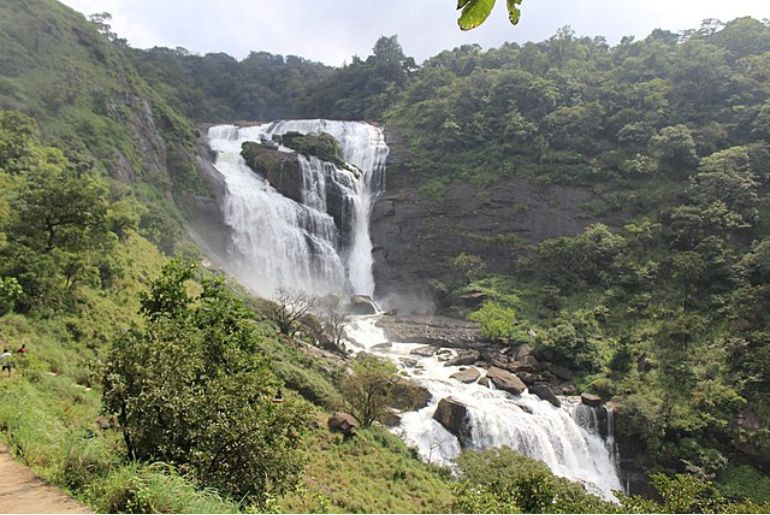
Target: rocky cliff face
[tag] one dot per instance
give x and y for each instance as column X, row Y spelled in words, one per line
column 416, row 236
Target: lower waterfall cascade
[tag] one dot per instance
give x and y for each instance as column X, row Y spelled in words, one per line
column 567, row 439
column 276, row 242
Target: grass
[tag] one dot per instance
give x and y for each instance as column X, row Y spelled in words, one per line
column 374, row 472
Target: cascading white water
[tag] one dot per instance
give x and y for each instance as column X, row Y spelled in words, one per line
column 277, row 242
column 561, row 437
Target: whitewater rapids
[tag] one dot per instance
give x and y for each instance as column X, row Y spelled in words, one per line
column 567, row 439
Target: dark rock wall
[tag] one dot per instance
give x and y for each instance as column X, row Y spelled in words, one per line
column 415, row 237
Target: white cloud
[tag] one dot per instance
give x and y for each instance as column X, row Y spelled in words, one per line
column 333, row 30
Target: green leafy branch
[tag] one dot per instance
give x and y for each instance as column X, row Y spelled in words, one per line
column 475, row 12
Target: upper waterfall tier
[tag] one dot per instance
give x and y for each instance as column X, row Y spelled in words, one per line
column 316, row 241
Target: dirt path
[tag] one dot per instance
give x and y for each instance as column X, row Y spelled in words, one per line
column 23, row 492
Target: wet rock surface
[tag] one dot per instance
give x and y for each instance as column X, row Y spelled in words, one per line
column 504, row 380
column 434, row 330
column 453, row 415
column 469, row 375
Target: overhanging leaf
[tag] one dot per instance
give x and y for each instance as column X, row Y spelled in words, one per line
column 474, row 13
column 461, row 3
column 514, row 11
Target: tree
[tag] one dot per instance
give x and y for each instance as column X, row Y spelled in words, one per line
column 469, row 266
column 675, row 147
column 726, row 176
column 334, row 324
column 288, row 308
column 191, row 389
column 367, row 387
column 498, row 322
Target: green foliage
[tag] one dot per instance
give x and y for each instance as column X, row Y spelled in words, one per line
column 586, row 258
column 373, row 472
column 498, row 322
column 367, row 388
column 469, row 266
column 475, row 12
column 504, row 481
column 190, row 390
column 10, row 292
column 575, row 342
column 323, row 146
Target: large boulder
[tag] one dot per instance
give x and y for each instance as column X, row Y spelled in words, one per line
column 280, row 169
column 544, row 391
column 453, row 415
column 562, row 373
column 463, row 358
column 344, row 423
column 522, row 351
column 528, row 378
column 425, row 352
column 504, row 380
column 590, row 399
column 391, row 419
column 409, row 396
column 494, row 358
column 469, row 375
column 528, row 363
column 362, row 305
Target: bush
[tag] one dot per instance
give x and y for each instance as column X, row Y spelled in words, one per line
column 368, row 388
column 192, row 391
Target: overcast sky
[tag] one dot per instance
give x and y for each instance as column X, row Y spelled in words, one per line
column 332, row 31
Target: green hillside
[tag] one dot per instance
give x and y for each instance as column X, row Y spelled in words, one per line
column 156, row 384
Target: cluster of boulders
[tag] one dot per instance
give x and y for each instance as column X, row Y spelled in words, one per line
column 509, row 369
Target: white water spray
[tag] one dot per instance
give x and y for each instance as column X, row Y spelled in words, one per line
column 276, row 242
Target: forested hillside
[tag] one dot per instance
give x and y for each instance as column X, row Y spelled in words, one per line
column 662, row 312
column 647, row 282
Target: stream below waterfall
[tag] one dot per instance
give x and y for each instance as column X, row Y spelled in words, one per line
column 567, row 439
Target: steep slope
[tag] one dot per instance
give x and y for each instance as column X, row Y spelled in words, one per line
column 74, row 78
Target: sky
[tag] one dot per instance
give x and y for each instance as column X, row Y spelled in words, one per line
column 331, row 31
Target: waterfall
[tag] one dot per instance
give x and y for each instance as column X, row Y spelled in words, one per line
column 567, row 439
column 318, row 241
column 317, row 244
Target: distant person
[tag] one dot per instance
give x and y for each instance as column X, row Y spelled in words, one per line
column 5, row 361
column 23, row 349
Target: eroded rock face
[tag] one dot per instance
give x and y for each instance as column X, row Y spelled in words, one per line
column 434, row 330
column 453, row 415
column 281, row 169
column 416, row 236
column 504, row 380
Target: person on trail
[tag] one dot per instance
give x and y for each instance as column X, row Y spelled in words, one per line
column 5, row 362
